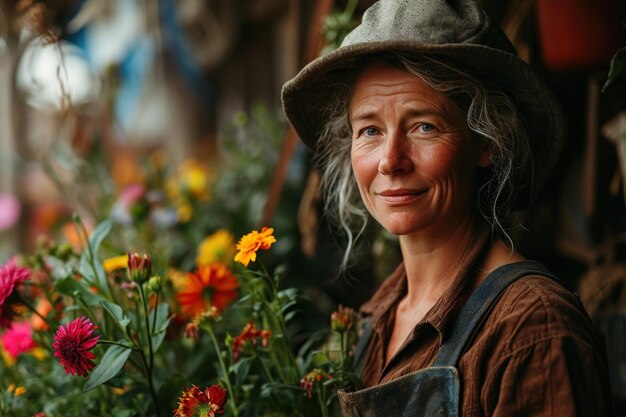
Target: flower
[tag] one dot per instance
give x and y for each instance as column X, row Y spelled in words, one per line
column 249, row 334
column 18, row 339
column 17, row 391
column 115, row 263
column 11, row 275
column 209, row 286
column 197, row 403
column 218, row 247
column 310, row 380
column 10, row 211
column 139, row 267
column 343, row 319
column 252, row 242
column 72, row 345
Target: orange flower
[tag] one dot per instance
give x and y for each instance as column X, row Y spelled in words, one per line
column 252, row 242
column 209, row 286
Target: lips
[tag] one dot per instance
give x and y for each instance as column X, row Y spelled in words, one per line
column 401, row 195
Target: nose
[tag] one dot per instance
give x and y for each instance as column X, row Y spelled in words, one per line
column 395, row 159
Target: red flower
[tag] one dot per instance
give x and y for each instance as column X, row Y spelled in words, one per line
column 11, row 275
column 197, row 403
column 249, row 334
column 209, row 286
column 313, row 378
column 72, row 345
column 139, row 267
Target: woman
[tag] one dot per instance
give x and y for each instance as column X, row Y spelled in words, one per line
column 427, row 118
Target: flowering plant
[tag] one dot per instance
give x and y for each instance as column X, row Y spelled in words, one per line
column 124, row 337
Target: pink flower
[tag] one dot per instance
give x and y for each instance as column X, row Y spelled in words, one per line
column 72, row 345
column 9, row 211
column 11, row 275
column 18, row 339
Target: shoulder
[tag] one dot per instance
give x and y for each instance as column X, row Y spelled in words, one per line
column 537, row 308
column 537, row 351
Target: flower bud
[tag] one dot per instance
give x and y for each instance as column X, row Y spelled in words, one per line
column 139, row 267
column 155, row 283
column 342, row 320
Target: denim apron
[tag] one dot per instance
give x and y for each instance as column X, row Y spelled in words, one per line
column 434, row 391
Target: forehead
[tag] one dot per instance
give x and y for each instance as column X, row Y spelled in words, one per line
column 381, row 83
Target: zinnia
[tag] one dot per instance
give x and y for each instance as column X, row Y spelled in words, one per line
column 252, row 242
column 209, row 286
column 11, row 275
column 18, row 339
column 197, row 403
column 72, row 345
column 218, row 247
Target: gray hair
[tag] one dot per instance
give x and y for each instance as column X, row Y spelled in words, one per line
column 491, row 115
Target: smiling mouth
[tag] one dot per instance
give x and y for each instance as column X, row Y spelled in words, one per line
column 400, row 196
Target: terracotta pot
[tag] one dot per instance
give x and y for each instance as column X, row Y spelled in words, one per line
column 577, row 35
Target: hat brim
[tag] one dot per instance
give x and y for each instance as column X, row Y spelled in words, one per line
column 307, row 97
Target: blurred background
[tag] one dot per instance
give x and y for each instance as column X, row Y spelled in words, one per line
column 165, row 116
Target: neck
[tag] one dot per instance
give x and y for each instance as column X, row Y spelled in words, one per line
column 432, row 264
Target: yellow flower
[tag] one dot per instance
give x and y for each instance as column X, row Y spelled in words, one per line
column 218, row 247
column 17, row 391
column 6, row 358
column 252, row 242
column 39, row 353
column 177, row 278
column 115, row 263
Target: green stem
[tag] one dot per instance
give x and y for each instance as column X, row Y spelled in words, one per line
column 351, row 7
column 320, row 399
column 231, row 391
column 32, row 308
column 150, row 363
column 266, row 371
column 111, row 342
column 153, row 394
column 156, row 308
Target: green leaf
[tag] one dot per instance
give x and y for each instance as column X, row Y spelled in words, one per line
column 117, row 313
column 87, row 265
column 99, row 234
column 618, row 65
column 72, row 287
column 112, row 362
column 241, row 369
column 162, row 321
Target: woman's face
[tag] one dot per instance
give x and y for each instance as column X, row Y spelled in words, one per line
column 413, row 156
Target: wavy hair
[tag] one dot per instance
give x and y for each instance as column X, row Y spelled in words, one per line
column 490, row 115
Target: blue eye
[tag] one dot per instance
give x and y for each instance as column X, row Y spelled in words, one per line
column 369, row 131
column 426, row 127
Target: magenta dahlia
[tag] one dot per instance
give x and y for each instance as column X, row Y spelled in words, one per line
column 11, row 276
column 72, row 345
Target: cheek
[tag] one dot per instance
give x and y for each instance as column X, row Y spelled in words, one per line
column 364, row 166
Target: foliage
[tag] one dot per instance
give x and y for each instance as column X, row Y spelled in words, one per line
column 150, row 350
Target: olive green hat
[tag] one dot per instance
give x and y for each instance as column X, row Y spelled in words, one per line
column 454, row 31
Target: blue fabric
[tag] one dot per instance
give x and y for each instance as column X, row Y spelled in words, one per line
column 434, row 391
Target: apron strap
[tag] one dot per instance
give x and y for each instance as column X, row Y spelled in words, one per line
column 479, row 305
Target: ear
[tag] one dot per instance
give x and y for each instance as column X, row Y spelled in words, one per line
column 484, row 157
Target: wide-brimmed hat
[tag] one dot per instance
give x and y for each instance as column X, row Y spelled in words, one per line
column 457, row 32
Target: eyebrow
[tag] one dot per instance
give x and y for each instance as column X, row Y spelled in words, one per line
column 368, row 115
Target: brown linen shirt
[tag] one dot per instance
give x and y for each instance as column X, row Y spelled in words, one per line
column 537, row 354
